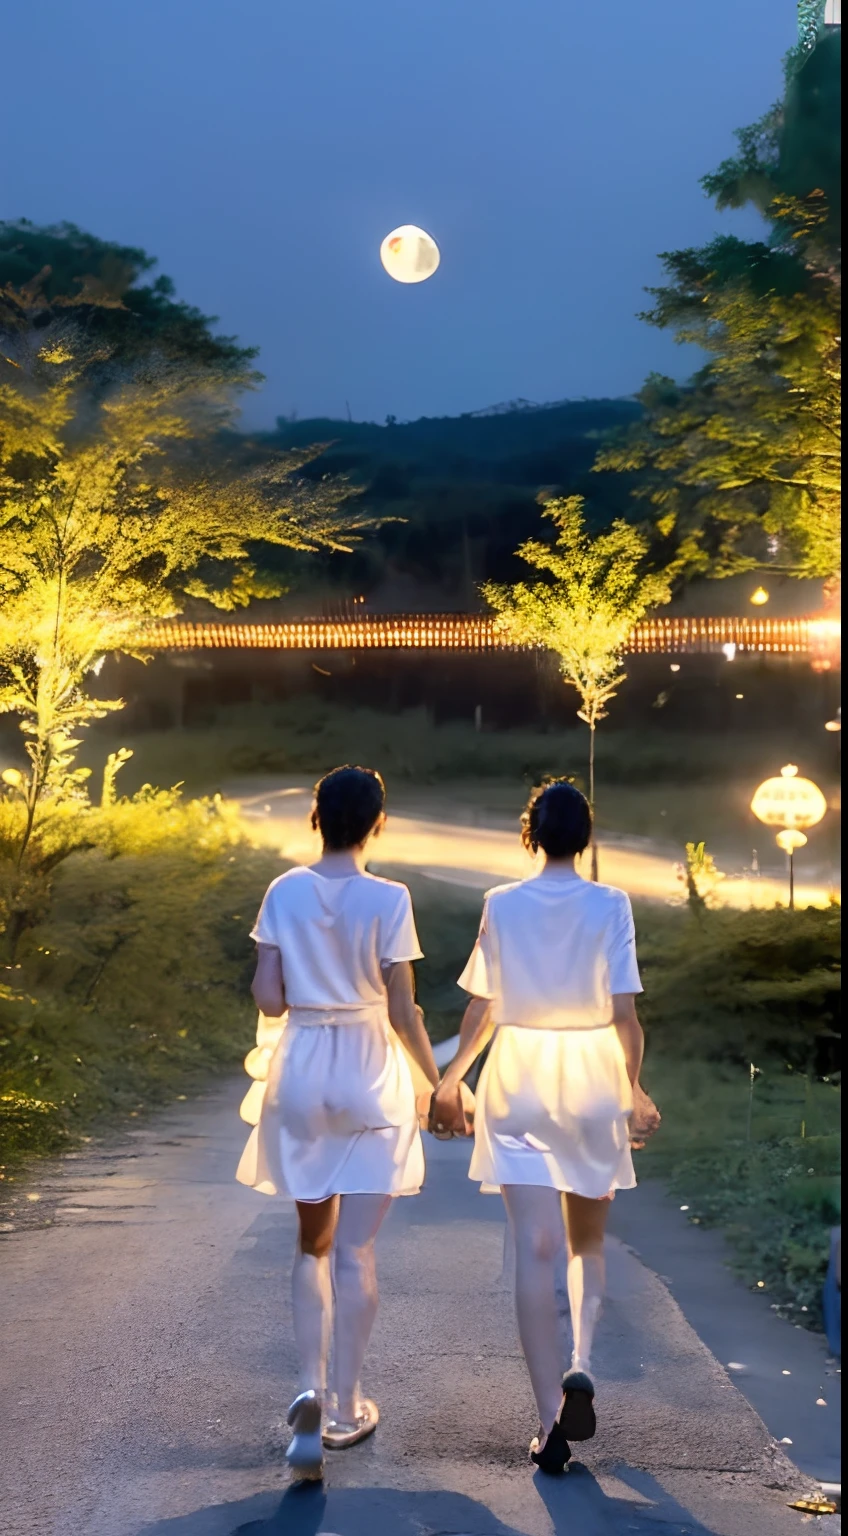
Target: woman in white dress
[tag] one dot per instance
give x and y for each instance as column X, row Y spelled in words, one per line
column 339, row 1128
column 553, row 978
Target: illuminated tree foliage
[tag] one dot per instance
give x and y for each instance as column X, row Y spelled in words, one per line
column 742, row 466
column 119, row 502
column 592, row 592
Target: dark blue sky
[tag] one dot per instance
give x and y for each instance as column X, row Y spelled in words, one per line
column 262, row 148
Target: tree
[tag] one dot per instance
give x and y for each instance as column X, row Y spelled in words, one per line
column 593, row 592
column 119, row 504
column 58, row 269
column 741, row 467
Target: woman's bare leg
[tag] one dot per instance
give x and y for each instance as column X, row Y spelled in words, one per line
column 586, row 1222
column 355, row 1284
column 312, row 1291
column 537, row 1221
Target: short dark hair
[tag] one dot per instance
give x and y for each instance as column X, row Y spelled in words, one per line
column 558, row 819
column 348, row 803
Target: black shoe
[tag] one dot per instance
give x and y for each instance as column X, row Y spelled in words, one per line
column 555, row 1454
column 577, row 1414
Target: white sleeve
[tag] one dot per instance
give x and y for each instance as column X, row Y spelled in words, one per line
column 621, row 948
column 265, row 930
column 478, row 978
column 398, row 938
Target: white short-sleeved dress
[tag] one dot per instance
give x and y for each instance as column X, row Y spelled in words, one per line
column 338, row 1112
column 554, row 1096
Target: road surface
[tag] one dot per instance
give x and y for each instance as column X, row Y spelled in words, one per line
column 448, row 849
column 149, row 1360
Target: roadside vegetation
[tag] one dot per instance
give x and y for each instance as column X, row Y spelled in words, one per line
column 126, row 981
column 744, row 1049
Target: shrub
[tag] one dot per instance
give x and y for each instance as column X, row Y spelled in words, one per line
column 743, row 986
column 132, row 984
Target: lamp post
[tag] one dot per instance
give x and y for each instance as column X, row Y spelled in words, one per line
column 790, row 803
column 790, row 839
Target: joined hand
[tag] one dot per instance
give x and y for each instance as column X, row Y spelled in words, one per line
column 451, row 1112
column 645, row 1118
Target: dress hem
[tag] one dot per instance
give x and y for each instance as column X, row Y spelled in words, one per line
column 489, row 1187
column 284, row 1194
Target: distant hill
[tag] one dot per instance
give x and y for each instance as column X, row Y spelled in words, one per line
column 458, row 492
column 516, row 444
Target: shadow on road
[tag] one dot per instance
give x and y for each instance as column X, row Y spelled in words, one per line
column 320, row 1511
column 579, row 1503
column 575, row 1502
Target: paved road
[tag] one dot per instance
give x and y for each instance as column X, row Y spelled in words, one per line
column 148, row 1358
column 448, row 849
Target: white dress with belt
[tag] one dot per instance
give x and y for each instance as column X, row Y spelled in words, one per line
column 337, row 1114
column 554, row 1096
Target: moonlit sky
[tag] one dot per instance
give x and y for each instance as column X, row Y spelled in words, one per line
column 262, row 150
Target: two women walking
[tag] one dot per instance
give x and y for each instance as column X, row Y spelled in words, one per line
column 552, row 980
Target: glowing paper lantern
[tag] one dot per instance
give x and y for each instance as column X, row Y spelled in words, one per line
column 790, row 839
column 789, row 801
column 409, row 254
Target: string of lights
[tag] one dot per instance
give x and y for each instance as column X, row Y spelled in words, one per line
column 469, row 632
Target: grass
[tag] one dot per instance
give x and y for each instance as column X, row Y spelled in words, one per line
column 132, row 987
column 775, row 1195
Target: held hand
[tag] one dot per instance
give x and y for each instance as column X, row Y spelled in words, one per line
column 645, row 1119
column 446, row 1117
column 451, row 1112
column 422, row 1108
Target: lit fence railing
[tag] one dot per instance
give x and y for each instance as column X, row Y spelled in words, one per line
column 470, row 632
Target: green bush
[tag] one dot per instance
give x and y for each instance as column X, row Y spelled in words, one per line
column 744, row 986
column 132, row 985
column 29, row 1126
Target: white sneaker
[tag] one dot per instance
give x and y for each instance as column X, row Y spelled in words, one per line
column 305, row 1454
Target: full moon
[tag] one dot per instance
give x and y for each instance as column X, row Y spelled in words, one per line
column 409, row 254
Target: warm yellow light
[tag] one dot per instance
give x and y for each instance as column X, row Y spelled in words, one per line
column 759, row 597
column 790, row 839
column 789, row 801
column 461, row 632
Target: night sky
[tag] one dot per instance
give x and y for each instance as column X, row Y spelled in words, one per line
column 262, row 149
